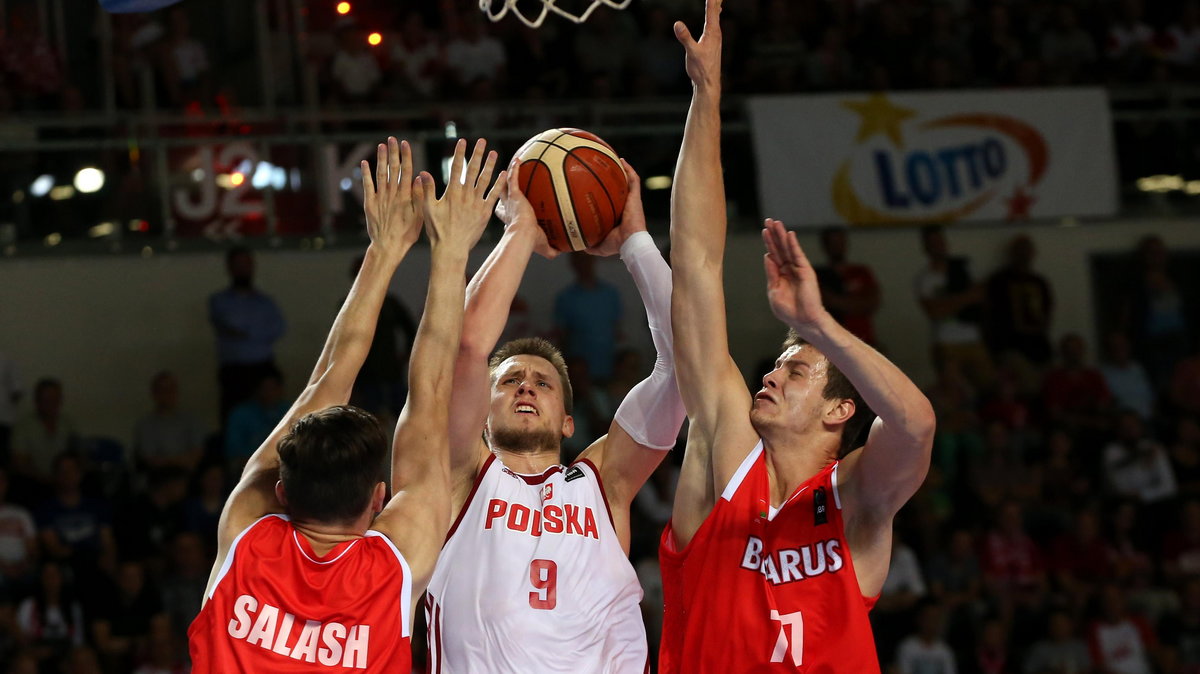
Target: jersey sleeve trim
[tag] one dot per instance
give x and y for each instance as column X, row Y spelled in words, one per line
column 406, row 587
column 837, row 497
column 487, row 464
column 228, row 564
column 747, row 464
column 603, row 494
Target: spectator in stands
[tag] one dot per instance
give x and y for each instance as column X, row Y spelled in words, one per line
column 777, row 52
column 1014, row 568
column 658, row 53
column 43, row 434
column 416, row 60
column 186, row 70
column 149, row 521
column 167, row 436
column 184, row 584
column 1130, row 42
column 124, row 622
column 587, row 318
column 51, row 619
column 1068, row 50
column 1079, row 559
column 1181, row 40
column 830, row 64
column 1181, row 547
column 1137, row 466
column 29, row 65
column 1126, row 378
column 849, row 290
column 1074, row 394
column 382, row 383
column 355, row 71
column 1062, row 652
column 1062, row 481
column 993, row 650
column 18, row 542
column 1154, row 315
column 1180, row 632
column 11, row 638
column 1185, row 455
column 896, row 606
column 1019, row 308
column 253, row 420
column 945, row 46
column 472, row 54
column 996, row 50
column 74, row 528
column 1120, row 641
column 202, row 511
column 1127, row 547
column 10, row 395
column 606, row 46
column 954, row 304
column 926, row 652
column 1185, row 385
column 247, row 323
column 957, row 442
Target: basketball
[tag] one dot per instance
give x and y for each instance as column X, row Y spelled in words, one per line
column 576, row 184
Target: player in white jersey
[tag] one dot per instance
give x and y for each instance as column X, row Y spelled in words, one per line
column 535, row 575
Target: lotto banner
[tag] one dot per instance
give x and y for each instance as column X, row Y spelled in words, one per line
column 917, row 158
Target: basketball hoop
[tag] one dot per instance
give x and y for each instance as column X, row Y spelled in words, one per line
column 548, row 6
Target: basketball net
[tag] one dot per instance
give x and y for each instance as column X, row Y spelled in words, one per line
column 548, row 6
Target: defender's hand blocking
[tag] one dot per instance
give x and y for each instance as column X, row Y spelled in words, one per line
column 514, row 210
column 792, row 285
column 633, row 218
column 393, row 208
column 703, row 61
column 460, row 215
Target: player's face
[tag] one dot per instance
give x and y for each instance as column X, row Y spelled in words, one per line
column 527, row 397
column 792, row 393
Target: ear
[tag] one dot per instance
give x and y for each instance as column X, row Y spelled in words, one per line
column 280, row 495
column 378, row 497
column 841, row 412
column 568, row 427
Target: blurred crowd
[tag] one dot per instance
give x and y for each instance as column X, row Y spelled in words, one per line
column 1058, row 531
column 446, row 50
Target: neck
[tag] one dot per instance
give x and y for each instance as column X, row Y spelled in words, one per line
column 531, row 462
column 791, row 462
column 324, row 537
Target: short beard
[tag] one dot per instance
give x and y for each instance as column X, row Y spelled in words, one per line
column 525, row 442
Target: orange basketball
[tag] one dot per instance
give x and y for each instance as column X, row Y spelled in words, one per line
column 576, row 185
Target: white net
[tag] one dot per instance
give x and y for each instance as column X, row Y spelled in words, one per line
column 535, row 19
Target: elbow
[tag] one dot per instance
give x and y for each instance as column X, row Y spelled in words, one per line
column 923, row 422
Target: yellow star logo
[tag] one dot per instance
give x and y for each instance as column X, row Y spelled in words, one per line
column 880, row 116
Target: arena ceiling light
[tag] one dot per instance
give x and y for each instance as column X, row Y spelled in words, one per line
column 41, row 185
column 89, row 179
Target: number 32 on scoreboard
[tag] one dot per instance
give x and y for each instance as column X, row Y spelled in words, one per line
column 543, row 575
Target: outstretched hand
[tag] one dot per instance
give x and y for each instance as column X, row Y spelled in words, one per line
column 703, row 60
column 792, row 287
column 393, row 208
column 514, row 210
column 633, row 218
column 460, row 215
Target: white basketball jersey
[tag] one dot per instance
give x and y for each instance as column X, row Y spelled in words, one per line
column 532, row 579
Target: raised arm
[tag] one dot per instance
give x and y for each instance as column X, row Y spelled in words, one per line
column 648, row 419
column 394, row 224
column 489, row 297
column 712, row 388
column 418, row 514
column 893, row 463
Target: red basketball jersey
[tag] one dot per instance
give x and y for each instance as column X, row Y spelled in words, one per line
column 278, row 607
column 760, row 590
